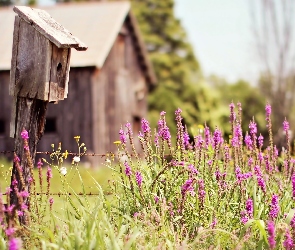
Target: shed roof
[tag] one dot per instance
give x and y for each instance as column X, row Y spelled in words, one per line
column 95, row 23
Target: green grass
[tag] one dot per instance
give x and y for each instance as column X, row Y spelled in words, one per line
column 73, row 182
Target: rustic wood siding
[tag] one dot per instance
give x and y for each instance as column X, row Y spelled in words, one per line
column 6, row 143
column 98, row 103
column 73, row 115
column 119, row 93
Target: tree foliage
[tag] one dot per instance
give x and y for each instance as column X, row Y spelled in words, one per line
column 180, row 80
column 252, row 100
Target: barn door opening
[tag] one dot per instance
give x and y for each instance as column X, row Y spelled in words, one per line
column 2, row 126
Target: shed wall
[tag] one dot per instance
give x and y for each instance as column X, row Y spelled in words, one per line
column 119, row 94
column 6, row 143
column 72, row 116
column 99, row 102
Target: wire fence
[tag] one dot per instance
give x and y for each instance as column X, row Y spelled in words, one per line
column 6, row 152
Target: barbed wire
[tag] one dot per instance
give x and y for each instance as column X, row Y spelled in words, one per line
column 5, row 152
column 62, row 194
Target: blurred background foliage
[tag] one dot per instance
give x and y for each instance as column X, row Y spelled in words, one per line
column 180, row 79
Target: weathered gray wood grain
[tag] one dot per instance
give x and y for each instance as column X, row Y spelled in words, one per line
column 30, row 115
column 48, row 27
column 58, row 74
column 33, row 63
column 13, row 75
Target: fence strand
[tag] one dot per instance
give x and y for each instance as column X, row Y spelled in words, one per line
column 69, row 153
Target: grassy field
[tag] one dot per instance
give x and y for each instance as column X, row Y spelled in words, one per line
column 212, row 194
column 72, row 180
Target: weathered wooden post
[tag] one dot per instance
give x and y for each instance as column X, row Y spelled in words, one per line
column 39, row 74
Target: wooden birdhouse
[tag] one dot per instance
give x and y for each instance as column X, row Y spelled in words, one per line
column 41, row 53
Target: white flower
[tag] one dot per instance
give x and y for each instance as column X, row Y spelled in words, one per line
column 108, row 161
column 76, row 159
column 63, row 170
column 123, row 158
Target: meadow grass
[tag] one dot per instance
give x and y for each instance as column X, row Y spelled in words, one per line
column 201, row 192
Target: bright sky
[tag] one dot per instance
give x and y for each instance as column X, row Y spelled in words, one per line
column 221, row 34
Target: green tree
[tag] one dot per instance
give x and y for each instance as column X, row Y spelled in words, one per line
column 251, row 98
column 176, row 67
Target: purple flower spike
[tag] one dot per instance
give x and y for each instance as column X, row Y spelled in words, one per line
column 286, row 125
column 192, row 169
column 186, row 139
column 127, row 169
column 49, row 173
column 10, row 231
column 156, row 199
column 138, row 178
column 201, row 192
column 24, row 194
column 274, row 207
column 39, row 164
column 217, row 138
column 122, row 136
column 248, row 141
column 249, row 207
column 271, row 234
column 188, row 187
column 244, row 217
column 15, row 244
column 268, row 110
column 145, row 126
column 260, row 141
column 214, row 223
column 232, row 113
column 178, row 112
column 253, row 128
column 293, row 185
column 288, row 242
column 24, row 134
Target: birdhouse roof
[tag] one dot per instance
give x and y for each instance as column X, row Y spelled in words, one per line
column 49, row 28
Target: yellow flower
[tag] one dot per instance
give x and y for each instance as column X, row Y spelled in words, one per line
column 200, row 126
column 65, row 154
column 117, row 142
column 10, row 170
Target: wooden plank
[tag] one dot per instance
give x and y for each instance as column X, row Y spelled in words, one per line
column 14, row 56
column 67, row 75
column 31, row 117
column 48, row 27
column 58, row 73
column 33, row 63
column 98, row 96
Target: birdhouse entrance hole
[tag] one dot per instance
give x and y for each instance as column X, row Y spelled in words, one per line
column 59, row 67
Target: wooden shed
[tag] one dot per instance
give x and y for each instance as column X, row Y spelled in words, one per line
column 108, row 84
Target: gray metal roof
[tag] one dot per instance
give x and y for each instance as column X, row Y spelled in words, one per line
column 97, row 24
